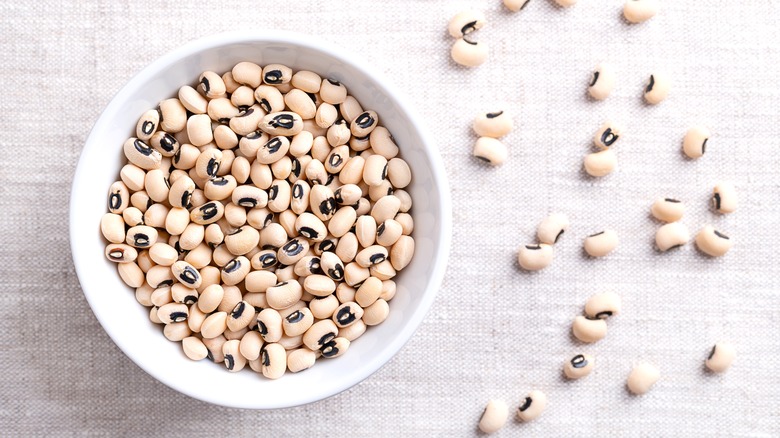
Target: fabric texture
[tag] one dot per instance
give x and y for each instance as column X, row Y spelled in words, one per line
column 494, row 331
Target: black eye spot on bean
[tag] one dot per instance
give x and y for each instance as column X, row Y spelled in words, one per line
column 295, row 317
column 247, row 202
column 188, row 275
column 117, row 254
column 265, row 105
column 205, row 83
column 190, row 299
column 285, row 121
column 704, row 146
column 597, row 234
column 533, row 247
column 327, row 245
column 337, row 196
column 326, row 338
column 334, row 82
column 721, row 235
column 313, row 97
column 579, row 361
column 297, row 191
column 246, row 112
column 209, row 210
column 262, row 328
column 380, row 229
column 141, row 239
column 232, row 266
column 238, row 310
column 292, row 247
column 674, row 201
column 273, row 77
column 384, row 172
column 493, row 115
column 268, row 219
column 526, row 404
column 330, row 179
column 147, row 127
column 212, row 167
column 273, row 192
column 296, row 167
column 185, row 199
column 716, row 201
column 219, row 181
column 314, row 264
column 595, row 75
column 328, row 206
column 142, row 147
column 469, row 27
column 330, row 350
column 254, row 135
column 712, row 352
column 308, row 232
column 604, row 314
column 165, row 283
column 473, row 43
column 178, row 316
column 365, row 120
column 274, row 144
column 168, row 142
column 345, row 316
column 264, row 358
column 337, row 273
column 335, row 160
column 267, row 260
column 114, row 201
column 560, row 233
column 229, row 362
column 650, row 84
column 376, row 258
column 608, row 137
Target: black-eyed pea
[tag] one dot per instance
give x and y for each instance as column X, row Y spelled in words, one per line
column 300, row 359
column 247, row 120
column 352, row 172
column 532, row 407
column 193, row 101
column 221, row 256
column 163, row 254
column 250, row 345
column 284, row 294
column 319, row 285
column 230, row 82
column 578, row 366
column 233, row 296
column 139, row 236
column 602, row 243
column 131, row 274
column 399, row 174
column 713, row 242
column 600, row 164
column 269, row 325
column 141, row 200
column 668, row 209
column 240, row 316
column 176, row 220
column 260, row 281
column 721, row 357
column 335, row 348
column 383, row 271
column 319, row 334
column 337, row 158
column 172, row 312
column 144, row 261
column 147, row 124
column 213, row 235
column 326, row 115
column 695, row 141
column 535, row 257
column 300, row 102
column 353, row 331
column 220, row 188
column 182, row 294
column 402, row 252
column 156, row 215
column 347, row 194
column 328, row 244
column 235, row 335
column 161, row 296
column 121, row 253
column 186, row 274
column 469, row 53
column 382, row 189
column 552, row 228
column 187, row 157
column 159, row 276
column 376, row 313
column 221, row 110
column 332, row 266
column 363, row 207
column 192, row 236
column 324, row 307
column 153, row 316
column 299, row 201
column 315, row 172
column 368, row 292
column 273, row 236
column 207, row 213
column 297, row 322
column 642, row 377
column 607, row 135
column 298, row 168
column 292, row 251
column 283, row 123
column 261, row 175
column 386, row 208
column 310, row 227
column 350, row 108
column 251, row 143
column 382, row 143
column 275, row 74
column 208, row 163
column 177, row 331
column 273, row 359
column 671, row 236
column 637, row 11
column 345, row 293
column 364, row 123
column 242, row 240
column 141, row 154
column 273, row 150
column 235, row 270
column 322, row 201
column 589, row 330
column 333, row 91
column 602, row 305
column 659, row 83
column 118, row 197
column 193, row 348
column 388, row 233
column 269, row 98
column 347, row 247
column 247, row 73
column 234, row 361
column 133, row 177
column 214, row 345
column 287, row 220
column 342, row 221
column 199, row 129
column 463, row 23
column 307, row 81
column 279, row 196
column 366, row 230
column 210, row 275
column 491, row 151
column 338, row 134
column 195, row 318
column 301, row 144
column 493, row 125
column 282, row 168
column 235, row 215
column 173, row 115
column 211, row 84
column 493, row 417
column 375, row 170
column 724, row 198
column 113, row 227
column 180, row 193
column 388, row 290
column 347, row 314
column 603, row 82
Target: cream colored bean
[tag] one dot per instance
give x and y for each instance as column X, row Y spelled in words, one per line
column 399, row 173
column 242, row 240
column 300, row 359
column 113, row 228
column 307, row 81
column 375, row 170
column 322, row 202
column 186, row 157
column 140, row 236
column 269, row 98
column 220, row 188
column 292, row 251
column 140, row 200
column 325, row 307
column 469, row 53
column 388, row 233
column 589, row 330
column 297, row 322
column 193, row 348
column 131, row 274
column 163, row 254
column 402, row 252
column 214, row 325
column 207, row 213
column 713, row 242
column 376, row 313
column 382, row 143
column 642, row 377
column 176, row 220
column 235, row 271
column 261, row 175
column 260, row 281
column 222, row 110
column 385, row 208
column 118, row 197
column 388, row 290
column 532, row 407
column 214, row 345
column 173, row 115
column 383, row 271
column 668, row 209
column 695, row 141
column 301, row 103
column 579, row 366
column 234, row 361
column 724, row 198
column 345, row 293
column 191, row 237
column 242, row 315
column 193, row 101
column 368, row 292
column 274, row 361
column 494, row 417
column 184, row 295
column 603, row 305
column 160, row 297
column 348, row 194
column 491, row 151
column 273, row 150
column 133, row 216
column 535, row 257
column 552, row 228
column 364, row 124
column 287, row 220
column 196, row 318
column 603, row 82
column 310, row 227
column 494, row 124
column 250, row 345
column 342, row 221
column 463, row 23
column 176, row 331
column 365, row 230
column 186, row 274
column 141, row 154
column 250, row 144
column 269, row 325
column 279, row 196
column 159, row 276
column 172, row 312
column 319, row 334
column 199, row 129
column 338, row 134
column 332, row 266
column 133, row 177
column 275, row 74
column 247, row 120
column 247, row 73
column 284, row 294
column 211, row 84
column 319, row 285
column 515, row 5
column 354, row 331
column 347, row 314
column 337, row 159
column 671, row 236
column 147, row 124
column 332, row 91
column 607, row 135
column 721, row 357
column 273, row 236
column 121, row 253
column 371, row 256
column 638, row 11
column 230, row 83
column 352, row 172
column 600, row 164
column 180, row 193
column 156, row 215
column 326, row 115
column 657, row 88
column 208, row 163
column 282, row 168
column 601, row 243
column 285, row 123
column 363, row 207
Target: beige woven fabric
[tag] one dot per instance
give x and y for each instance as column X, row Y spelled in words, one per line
column 494, row 331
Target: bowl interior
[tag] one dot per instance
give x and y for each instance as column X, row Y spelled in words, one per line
column 127, row 322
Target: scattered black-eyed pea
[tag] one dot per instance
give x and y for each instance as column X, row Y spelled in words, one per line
column 176, row 221
column 381, row 142
column 668, row 209
column 637, row 11
column 196, row 318
column 180, row 193
column 193, row 101
column 163, row 254
column 331, row 265
column 515, row 5
column 210, row 297
column 159, row 276
column 121, row 253
column 333, row 91
column 173, row 115
column 286, row 123
column 364, row 124
column 207, row 213
column 269, row 99
column 273, row 359
column 118, row 197
column 406, row 199
column 284, row 294
column 214, row 325
column 724, row 198
column 292, row 251
column 131, row 274
column 658, row 85
column 133, row 177
column 186, row 274
column 141, row 154
column 300, row 359
column 721, row 356
column 535, row 257
column 172, row 312
column 491, row 151
column 176, row 331
column 247, row 73
column 208, row 163
column 463, row 23
column 183, row 294
column 402, row 252
column 353, row 331
column 385, row 208
column 642, row 377
column 376, row 313
column 347, row 314
column 160, row 297
column 235, row 271
column 494, row 124
column 214, row 345
column 335, row 348
column 375, row 170
column 147, row 124
column 469, row 53
column 307, row 81
column 275, row 74
column 319, row 334
column 365, row 230
column 325, row 307
column 296, row 323
column 602, row 305
column 269, row 325
column 165, row 143
column 695, row 141
column 242, row 240
column 139, row 236
column 342, row 221
column 579, row 366
column 552, row 228
column 600, row 164
column 242, row 315
column 532, row 406
column 367, row 293
column 194, row 348
column 713, row 242
column 389, row 289
column 140, row 200
column 250, row 345
column 220, row 188
column 326, row 115
column 388, row 232
column 192, row 236
column 156, row 216
column 319, row 285
column 234, row 361
column 212, row 84
column 607, row 135
column 589, row 330
column 602, row 243
column 229, row 300
column 247, row 120
column 371, row 256
column 260, row 281
column 671, row 235
column 199, row 129
column 602, row 82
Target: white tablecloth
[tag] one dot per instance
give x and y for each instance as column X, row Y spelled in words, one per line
column 493, row 331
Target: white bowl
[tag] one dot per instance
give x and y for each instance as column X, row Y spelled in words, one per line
column 127, row 322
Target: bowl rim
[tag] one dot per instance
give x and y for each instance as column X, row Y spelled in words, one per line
column 438, row 174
